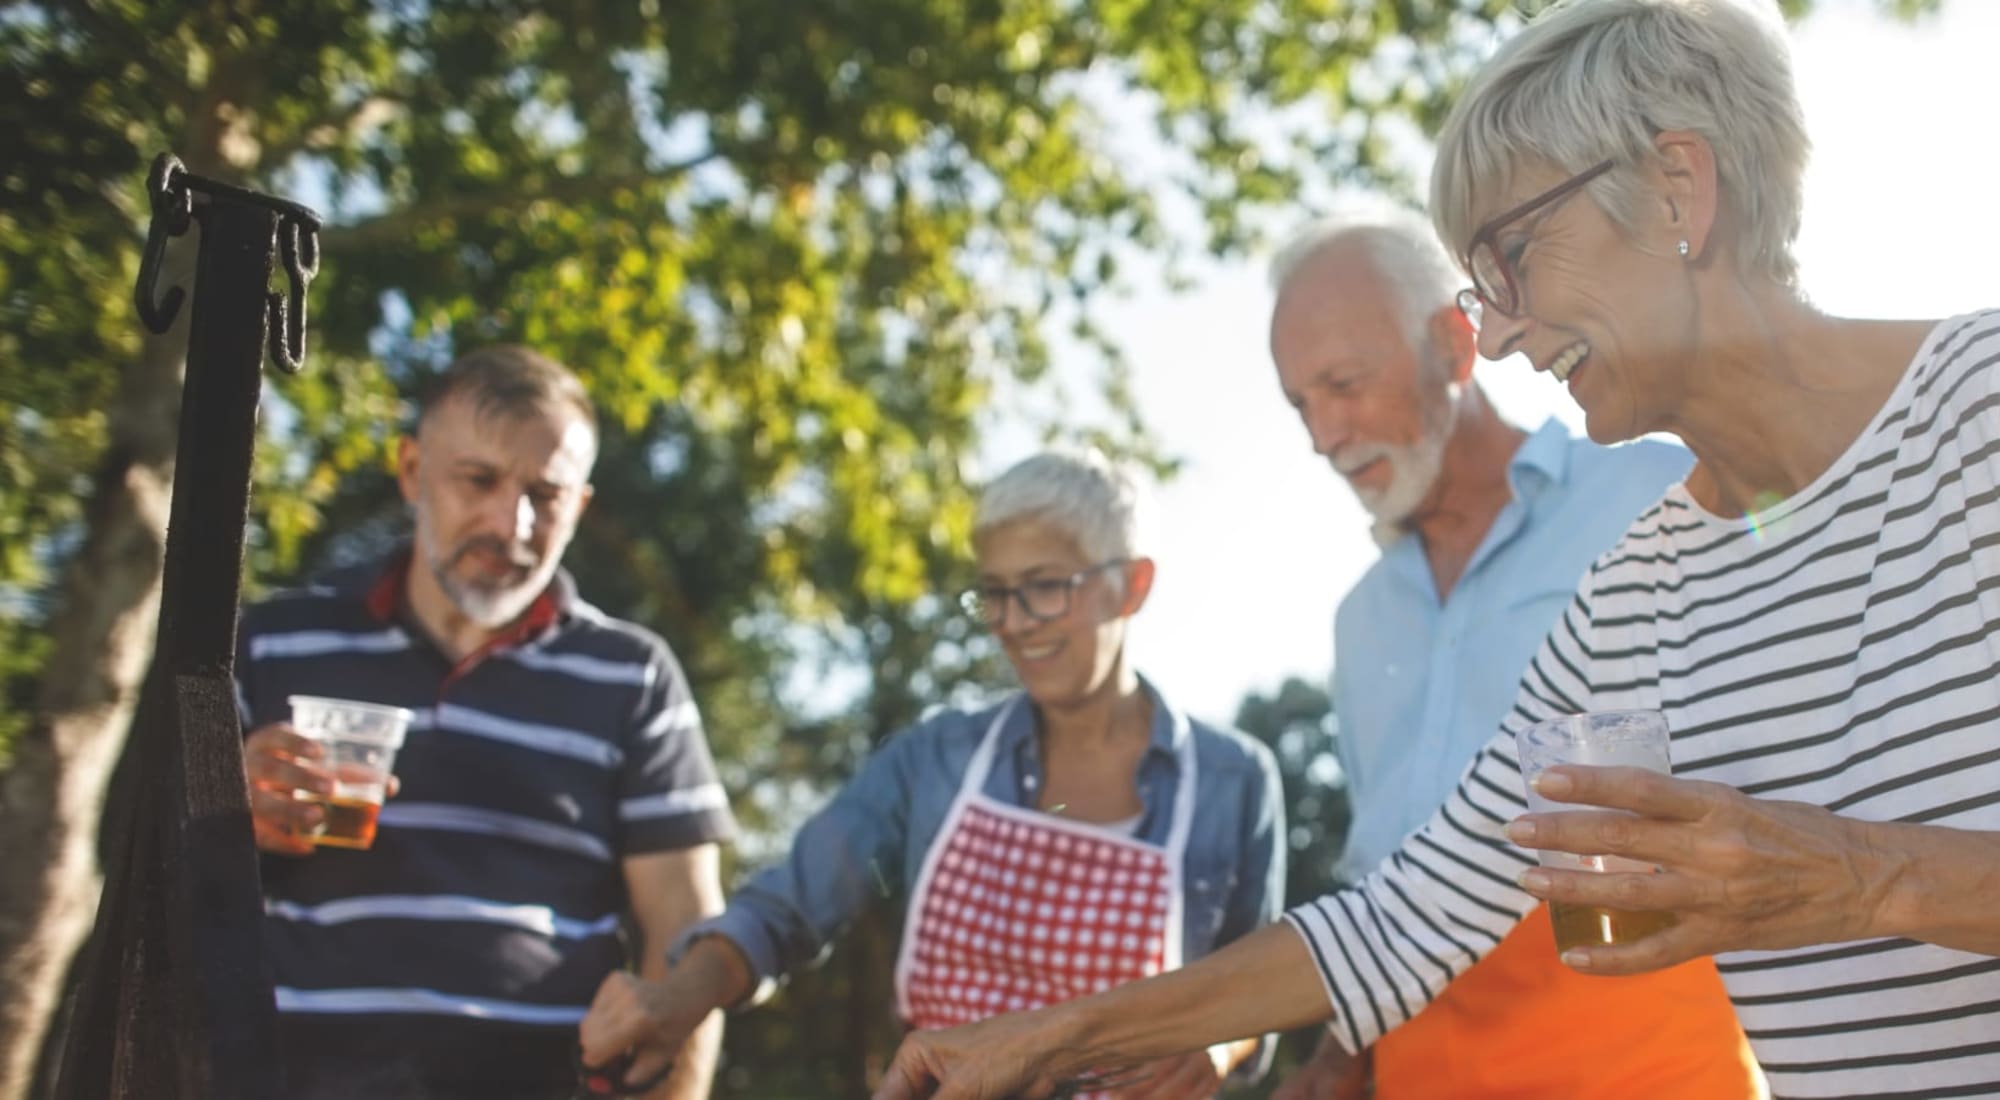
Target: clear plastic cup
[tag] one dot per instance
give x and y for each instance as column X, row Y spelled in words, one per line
column 361, row 740
column 1616, row 738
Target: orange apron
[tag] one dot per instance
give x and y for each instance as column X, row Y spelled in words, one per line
column 1522, row 1025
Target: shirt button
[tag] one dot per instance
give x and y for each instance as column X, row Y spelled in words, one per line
column 1201, row 884
column 1029, row 782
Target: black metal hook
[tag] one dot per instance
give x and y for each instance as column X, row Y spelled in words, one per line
column 298, row 246
column 173, row 209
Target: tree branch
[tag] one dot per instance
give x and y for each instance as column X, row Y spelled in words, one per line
column 400, row 224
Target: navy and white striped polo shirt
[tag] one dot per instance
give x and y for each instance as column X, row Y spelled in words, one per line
column 493, row 891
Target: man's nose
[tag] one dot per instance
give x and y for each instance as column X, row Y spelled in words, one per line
column 1327, row 422
column 510, row 514
column 524, row 518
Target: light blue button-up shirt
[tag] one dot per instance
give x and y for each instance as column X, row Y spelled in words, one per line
column 1418, row 685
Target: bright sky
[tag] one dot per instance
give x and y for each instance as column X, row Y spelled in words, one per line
column 1258, row 538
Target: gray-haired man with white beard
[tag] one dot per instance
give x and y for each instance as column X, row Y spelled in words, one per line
column 1485, row 530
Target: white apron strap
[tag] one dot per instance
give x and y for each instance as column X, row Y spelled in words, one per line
column 1177, row 838
column 976, row 771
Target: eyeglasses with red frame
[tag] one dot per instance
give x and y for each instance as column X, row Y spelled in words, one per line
column 1491, row 268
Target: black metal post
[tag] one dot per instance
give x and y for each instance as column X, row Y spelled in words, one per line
column 176, row 998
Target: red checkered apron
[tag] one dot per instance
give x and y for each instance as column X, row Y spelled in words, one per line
column 1017, row 909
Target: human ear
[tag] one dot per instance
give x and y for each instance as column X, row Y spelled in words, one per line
column 1452, row 334
column 1685, row 163
column 1139, row 574
column 408, row 456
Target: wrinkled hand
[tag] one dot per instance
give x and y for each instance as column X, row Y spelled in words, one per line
column 1002, row 1058
column 1330, row 1074
column 1738, row 873
column 645, row 1018
column 1194, row 1076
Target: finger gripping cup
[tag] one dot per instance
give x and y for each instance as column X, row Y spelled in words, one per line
column 1624, row 738
column 360, row 740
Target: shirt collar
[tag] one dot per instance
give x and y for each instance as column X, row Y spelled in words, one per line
column 1540, row 461
column 1169, row 732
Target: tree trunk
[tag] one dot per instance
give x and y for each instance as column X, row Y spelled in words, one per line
column 103, row 632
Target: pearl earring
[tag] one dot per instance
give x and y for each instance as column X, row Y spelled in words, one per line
column 1682, row 248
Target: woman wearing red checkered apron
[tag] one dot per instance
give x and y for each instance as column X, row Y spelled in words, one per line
column 1080, row 834
column 1019, row 908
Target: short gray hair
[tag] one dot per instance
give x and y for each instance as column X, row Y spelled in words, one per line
column 508, row 380
column 1593, row 80
column 1402, row 246
column 1079, row 492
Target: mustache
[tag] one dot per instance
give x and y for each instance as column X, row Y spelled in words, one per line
column 1350, row 462
column 512, row 553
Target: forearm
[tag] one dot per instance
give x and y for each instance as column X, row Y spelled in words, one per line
column 714, row 973
column 1264, row 982
column 694, row 1069
column 1938, row 884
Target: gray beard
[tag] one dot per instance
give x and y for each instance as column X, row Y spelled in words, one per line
column 1415, row 468
column 490, row 608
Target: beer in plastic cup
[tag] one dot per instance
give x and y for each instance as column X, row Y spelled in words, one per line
column 361, row 740
column 1618, row 738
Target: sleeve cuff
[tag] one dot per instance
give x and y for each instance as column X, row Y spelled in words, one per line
column 743, row 934
column 1343, row 1025
column 687, row 830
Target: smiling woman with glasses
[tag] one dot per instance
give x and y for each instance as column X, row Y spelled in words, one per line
column 1078, row 834
column 1813, row 612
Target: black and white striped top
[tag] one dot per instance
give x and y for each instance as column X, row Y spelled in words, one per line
column 1840, row 648
column 491, row 898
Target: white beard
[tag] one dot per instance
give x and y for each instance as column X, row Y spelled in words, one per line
column 1413, row 469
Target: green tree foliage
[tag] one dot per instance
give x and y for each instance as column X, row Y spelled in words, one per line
column 819, row 230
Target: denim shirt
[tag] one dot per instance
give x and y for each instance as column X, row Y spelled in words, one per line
column 1419, row 685
column 867, row 846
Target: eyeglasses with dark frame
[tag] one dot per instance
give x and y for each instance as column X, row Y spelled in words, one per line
column 1492, row 275
column 1041, row 599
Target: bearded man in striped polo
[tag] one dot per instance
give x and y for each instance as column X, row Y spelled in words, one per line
column 555, row 810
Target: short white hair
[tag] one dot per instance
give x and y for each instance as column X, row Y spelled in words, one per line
column 1403, row 248
column 1596, row 80
column 1079, row 492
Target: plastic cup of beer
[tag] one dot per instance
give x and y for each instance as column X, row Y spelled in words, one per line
column 360, row 740
column 1618, row 738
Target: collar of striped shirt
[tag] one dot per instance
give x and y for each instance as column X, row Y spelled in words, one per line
column 381, row 587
